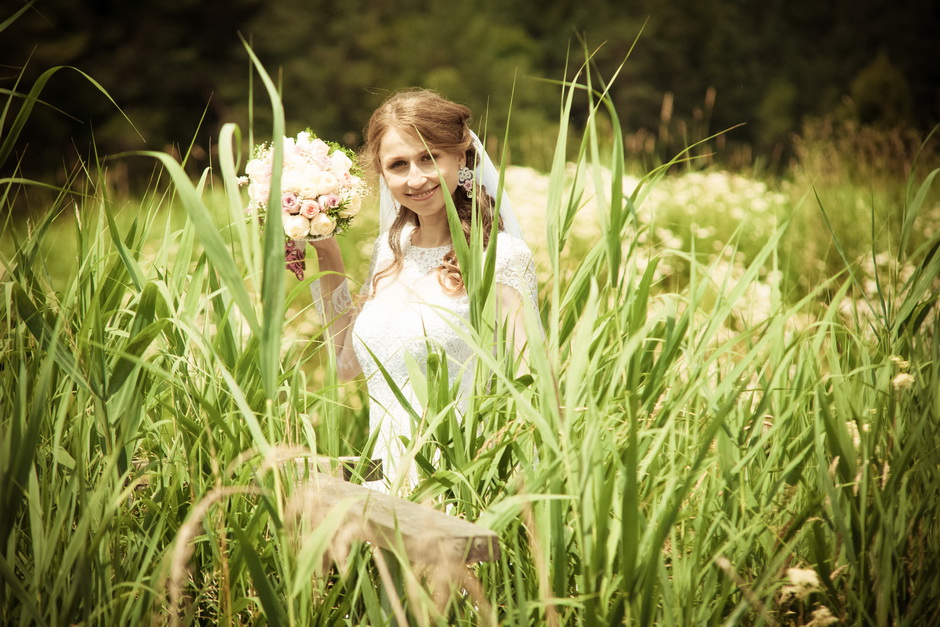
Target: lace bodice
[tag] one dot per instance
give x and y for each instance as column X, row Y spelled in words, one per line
column 410, row 314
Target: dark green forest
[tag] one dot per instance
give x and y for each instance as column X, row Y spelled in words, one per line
column 178, row 68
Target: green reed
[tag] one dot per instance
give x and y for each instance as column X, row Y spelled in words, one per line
column 661, row 461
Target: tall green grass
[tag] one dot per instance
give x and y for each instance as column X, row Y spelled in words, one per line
column 659, row 463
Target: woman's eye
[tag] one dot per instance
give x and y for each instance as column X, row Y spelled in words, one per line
column 396, row 165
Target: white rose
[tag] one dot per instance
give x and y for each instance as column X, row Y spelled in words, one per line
column 258, row 170
column 351, row 208
column 309, row 184
column 339, row 164
column 296, row 227
column 326, row 183
column 322, row 225
column 292, row 181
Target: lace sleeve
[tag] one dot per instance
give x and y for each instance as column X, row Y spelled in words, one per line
column 515, row 268
column 341, row 299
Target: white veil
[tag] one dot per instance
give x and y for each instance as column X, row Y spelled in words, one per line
column 485, row 173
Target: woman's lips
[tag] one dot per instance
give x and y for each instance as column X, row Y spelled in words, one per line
column 424, row 195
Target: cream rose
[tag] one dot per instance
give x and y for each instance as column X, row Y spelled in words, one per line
column 351, row 208
column 292, row 181
column 326, row 183
column 322, row 225
column 309, row 183
column 296, row 227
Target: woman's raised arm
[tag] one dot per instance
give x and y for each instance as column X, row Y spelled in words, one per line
column 333, row 301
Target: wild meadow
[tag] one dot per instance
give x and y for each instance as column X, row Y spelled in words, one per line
column 729, row 415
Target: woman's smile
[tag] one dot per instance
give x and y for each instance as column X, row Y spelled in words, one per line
column 419, row 196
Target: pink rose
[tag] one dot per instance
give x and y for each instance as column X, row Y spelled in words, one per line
column 309, row 209
column 290, row 203
column 329, row 201
column 349, row 181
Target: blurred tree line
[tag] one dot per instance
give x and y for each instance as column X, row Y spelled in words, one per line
column 179, row 71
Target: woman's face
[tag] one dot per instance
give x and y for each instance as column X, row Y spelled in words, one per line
column 411, row 172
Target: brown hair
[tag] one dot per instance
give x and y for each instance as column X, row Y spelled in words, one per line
column 442, row 125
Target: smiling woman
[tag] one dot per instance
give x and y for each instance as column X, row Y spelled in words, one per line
column 414, row 175
column 415, row 303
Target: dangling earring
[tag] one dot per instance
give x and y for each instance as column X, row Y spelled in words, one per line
column 465, row 180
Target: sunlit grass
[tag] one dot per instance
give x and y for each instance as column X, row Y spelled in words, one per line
column 694, row 444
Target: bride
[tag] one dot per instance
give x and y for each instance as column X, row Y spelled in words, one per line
column 421, row 147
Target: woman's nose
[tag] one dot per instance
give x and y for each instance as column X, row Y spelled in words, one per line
column 416, row 176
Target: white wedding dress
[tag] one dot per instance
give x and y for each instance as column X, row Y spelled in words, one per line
column 410, row 314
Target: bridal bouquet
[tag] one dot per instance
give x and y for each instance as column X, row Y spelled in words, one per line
column 321, row 190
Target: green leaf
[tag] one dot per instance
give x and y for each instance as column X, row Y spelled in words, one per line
column 274, row 609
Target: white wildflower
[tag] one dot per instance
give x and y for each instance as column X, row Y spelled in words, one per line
column 902, row 364
column 805, row 577
column 804, row 581
column 903, row 381
column 822, row 617
column 852, row 428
